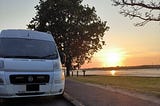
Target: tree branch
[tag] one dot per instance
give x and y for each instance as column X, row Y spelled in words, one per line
column 139, row 9
column 149, row 18
column 141, row 4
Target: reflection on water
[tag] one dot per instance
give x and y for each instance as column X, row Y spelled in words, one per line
column 129, row 72
column 113, row 72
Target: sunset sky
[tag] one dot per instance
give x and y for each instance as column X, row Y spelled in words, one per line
column 125, row 43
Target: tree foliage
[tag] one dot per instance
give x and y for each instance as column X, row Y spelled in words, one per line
column 146, row 10
column 76, row 28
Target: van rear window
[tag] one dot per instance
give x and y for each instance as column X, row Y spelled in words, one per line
column 27, row 48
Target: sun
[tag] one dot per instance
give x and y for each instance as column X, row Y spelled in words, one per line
column 113, row 58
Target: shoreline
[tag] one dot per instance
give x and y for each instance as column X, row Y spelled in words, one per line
column 124, row 67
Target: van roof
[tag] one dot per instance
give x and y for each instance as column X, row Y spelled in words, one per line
column 26, row 34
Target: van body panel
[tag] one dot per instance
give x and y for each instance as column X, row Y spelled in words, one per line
column 26, row 34
column 30, row 65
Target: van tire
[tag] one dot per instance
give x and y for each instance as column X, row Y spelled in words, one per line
column 60, row 95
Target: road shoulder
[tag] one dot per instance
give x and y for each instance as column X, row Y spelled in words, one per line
column 120, row 91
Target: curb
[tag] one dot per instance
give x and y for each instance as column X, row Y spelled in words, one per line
column 72, row 100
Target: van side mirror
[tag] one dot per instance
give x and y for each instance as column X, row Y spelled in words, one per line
column 63, row 57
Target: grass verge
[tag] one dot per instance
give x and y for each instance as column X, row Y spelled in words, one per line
column 147, row 85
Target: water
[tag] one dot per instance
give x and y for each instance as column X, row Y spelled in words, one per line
column 129, row 72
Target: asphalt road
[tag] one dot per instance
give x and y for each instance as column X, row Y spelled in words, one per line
column 38, row 101
column 94, row 96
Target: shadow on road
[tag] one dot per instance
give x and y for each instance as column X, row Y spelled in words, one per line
column 37, row 101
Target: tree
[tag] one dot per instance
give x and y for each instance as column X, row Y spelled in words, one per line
column 77, row 30
column 143, row 9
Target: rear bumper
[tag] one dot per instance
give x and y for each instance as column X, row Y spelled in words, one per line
column 18, row 86
column 17, row 91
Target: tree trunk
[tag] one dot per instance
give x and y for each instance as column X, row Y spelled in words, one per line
column 68, row 71
column 68, row 66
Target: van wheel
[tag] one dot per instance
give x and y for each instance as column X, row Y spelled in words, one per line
column 1, row 100
column 60, row 95
column 4, row 100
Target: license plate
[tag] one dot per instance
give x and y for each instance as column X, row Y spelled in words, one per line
column 32, row 87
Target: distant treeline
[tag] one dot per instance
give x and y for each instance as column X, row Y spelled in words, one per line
column 126, row 67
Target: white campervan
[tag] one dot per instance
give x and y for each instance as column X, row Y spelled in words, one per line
column 29, row 65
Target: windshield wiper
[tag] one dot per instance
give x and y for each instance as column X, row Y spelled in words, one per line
column 50, row 55
column 26, row 57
